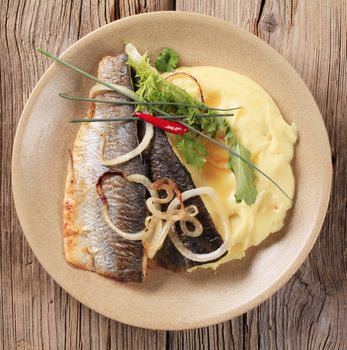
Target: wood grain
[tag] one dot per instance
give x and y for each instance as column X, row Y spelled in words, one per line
column 308, row 313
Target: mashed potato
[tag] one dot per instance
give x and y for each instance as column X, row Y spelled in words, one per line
column 261, row 128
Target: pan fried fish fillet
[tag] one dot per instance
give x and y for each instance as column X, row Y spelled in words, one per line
column 89, row 242
column 164, row 163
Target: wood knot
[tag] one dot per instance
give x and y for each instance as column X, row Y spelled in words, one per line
column 270, row 23
column 333, row 156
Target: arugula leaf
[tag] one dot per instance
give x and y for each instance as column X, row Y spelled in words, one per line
column 245, row 189
column 193, row 151
column 166, row 61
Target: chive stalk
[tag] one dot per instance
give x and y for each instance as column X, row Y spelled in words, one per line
column 131, row 95
column 144, row 103
column 132, row 118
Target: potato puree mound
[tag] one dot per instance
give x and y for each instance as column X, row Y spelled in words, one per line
column 261, row 128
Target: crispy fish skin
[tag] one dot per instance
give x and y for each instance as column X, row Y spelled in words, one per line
column 89, row 242
column 164, row 163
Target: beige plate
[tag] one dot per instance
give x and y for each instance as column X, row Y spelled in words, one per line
column 167, row 300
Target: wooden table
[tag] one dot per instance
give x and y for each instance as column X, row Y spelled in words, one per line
column 308, row 313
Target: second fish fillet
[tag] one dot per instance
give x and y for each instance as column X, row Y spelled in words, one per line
column 164, row 163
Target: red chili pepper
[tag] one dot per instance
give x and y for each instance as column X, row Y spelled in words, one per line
column 167, row 125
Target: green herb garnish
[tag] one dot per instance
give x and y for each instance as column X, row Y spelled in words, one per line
column 194, row 152
column 166, row 61
column 132, row 96
column 146, row 103
column 131, row 118
column 242, row 174
column 153, row 87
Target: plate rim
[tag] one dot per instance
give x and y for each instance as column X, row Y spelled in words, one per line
column 262, row 295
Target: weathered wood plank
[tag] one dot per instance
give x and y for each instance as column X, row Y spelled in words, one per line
column 35, row 313
column 133, row 7
column 308, row 312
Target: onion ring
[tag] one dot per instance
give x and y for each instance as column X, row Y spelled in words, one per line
column 138, row 178
column 98, row 89
column 175, row 239
column 198, row 229
column 132, row 154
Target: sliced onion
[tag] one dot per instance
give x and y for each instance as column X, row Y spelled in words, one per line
column 98, row 89
column 172, row 215
column 153, row 225
column 192, row 211
column 168, row 185
column 154, row 242
column 161, row 231
column 155, row 232
column 145, row 181
column 169, row 193
column 159, row 237
column 150, row 224
column 153, row 203
column 134, row 236
column 133, row 53
column 153, row 237
column 176, row 239
column 198, row 229
column 132, row 154
column 148, row 221
column 170, row 188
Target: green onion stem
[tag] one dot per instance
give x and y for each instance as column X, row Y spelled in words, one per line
column 130, row 94
column 145, row 103
column 135, row 98
column 98, row 120
column 131, row 118
column 120, row 119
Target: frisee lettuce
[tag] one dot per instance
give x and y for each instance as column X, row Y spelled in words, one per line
column 151, row 86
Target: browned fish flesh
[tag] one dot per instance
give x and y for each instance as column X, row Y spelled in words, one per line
column 164, row 163
column 89, row 242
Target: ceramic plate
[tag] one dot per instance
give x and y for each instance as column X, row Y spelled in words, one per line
column 168, row 300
